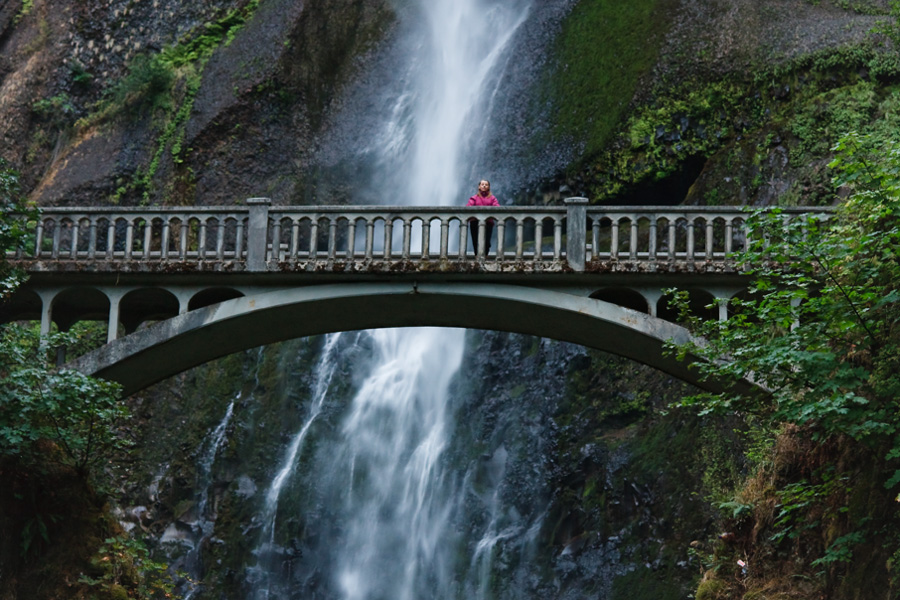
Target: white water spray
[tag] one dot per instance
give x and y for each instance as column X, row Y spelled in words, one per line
column 428, row 142
column 323, row 374
column 383, row 477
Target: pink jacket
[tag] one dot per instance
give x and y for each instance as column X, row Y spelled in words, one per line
column 479, row 200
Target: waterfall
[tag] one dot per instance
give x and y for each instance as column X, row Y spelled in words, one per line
column 266, row 549
column 386, row 507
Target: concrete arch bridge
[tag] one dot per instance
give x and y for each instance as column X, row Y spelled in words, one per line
column 181, row 286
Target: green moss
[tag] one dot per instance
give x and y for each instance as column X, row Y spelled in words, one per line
column 604, row 49
column 712, row 589
column 803, row 105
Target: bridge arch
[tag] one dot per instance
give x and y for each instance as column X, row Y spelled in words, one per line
column 146, row 304
column 79, row 304
column 190, row 339
column 210, row 296
column 623, row 296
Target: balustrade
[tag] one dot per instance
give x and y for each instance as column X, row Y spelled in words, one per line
column 262, row 236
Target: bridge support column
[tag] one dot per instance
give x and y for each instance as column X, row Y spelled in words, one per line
column 257, row 233
column 112, row 325
column 576, row 232
column 46, row 311
column 652, row 297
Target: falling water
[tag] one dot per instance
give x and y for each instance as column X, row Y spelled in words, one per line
column 266, row 549
column 386, row 505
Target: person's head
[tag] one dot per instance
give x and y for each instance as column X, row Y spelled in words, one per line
column 484, row 187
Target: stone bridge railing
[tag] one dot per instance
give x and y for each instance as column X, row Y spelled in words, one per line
column 261, row 237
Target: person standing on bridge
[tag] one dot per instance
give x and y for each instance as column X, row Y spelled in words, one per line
column 484, row 197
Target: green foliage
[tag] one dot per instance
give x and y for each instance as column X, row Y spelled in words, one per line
column 146, row 88
column 27, row 5
column 796, row 501
column 823, row 307
column 14, row 232
column 820, row 332
column 124, row 569
column 736, row 508
column 55, row 109
column 73, row 413
column 35, row 532
column 841, row 551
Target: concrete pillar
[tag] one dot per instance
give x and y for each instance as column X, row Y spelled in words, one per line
column 576, row 232
column 46, row 312
column 112, row 324
column 257, row 233
column 652, row 297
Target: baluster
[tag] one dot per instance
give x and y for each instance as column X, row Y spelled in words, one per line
column 148, row 231
column 709, row 239
column 129, row 238
column 183, row 237
column 445, row 238
column 690, row 239
column 539, row 240
column 426, row 239
column 73, row 249
column 388, row 237
column 729, row 232
column 651, row 249
column 671, row 224
column 54, row 248
column 220, row 238
column 501, row 238
column 314, row 237
column 557, row 238
column 351, row 238
column 407, row 238
column 110, row 237
column 595, row 238
column 275, row 251
column 201, row 245
column 463, row 227
column 239, row 239
column 164, row 240
column 332, row 237
column 295, row 239
column 633, row 241
column 38, row 238
column 520, row 238
column 481, row 243
column 92, row 238
column 370, row 237
column 614, row 238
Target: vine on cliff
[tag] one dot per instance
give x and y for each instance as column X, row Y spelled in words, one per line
column 165, row 85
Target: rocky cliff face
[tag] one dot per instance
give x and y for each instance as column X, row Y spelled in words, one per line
column 231, row 113
column 209, row 103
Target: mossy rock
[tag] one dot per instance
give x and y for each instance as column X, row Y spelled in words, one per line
column 712, row 589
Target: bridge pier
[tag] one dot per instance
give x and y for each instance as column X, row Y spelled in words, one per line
column 258, row 233
column 576, row 232
column 112, row 331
